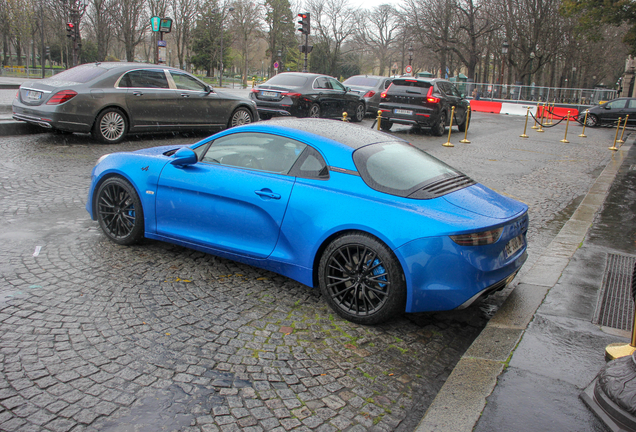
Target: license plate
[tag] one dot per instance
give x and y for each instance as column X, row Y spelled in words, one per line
column 269, row 94
column 401, row 111
column 33, row 95
column 513, row 246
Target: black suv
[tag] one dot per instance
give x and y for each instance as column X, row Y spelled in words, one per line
column 424, row 103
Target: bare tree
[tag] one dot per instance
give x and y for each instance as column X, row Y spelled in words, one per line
column 184, row 12
column 131, row 19
column 247, row 27
column 99, row 16
column 378, row 33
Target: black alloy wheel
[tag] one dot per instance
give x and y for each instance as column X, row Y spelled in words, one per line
column 119, row 211
column 362, row 280
column 314, row 111
column 440, row 127
column 592, row 120
column 359, row 113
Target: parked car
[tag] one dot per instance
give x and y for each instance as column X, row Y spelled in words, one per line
column 110, row 100
column 424, row 103
column 369, row 87
column 378, row 225
column 609, row 112
column 301, row 94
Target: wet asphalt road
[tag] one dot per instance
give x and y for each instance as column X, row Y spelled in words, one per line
column 95, row 336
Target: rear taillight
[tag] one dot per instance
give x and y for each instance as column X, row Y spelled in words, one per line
column 292, row 95
column 61, row 97
column 369, row 94
column 383, row 94
column 255, row 90
column 429, row 96
column 478, row 239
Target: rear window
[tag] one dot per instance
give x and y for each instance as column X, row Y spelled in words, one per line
column 79, row 74
column 288, row 80
column 410, row 86
column 399, row 169
column 362, row 81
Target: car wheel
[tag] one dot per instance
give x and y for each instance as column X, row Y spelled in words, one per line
column 359, row 113
column 314, row 111
column 111, row 126
column 592, row 120
column 440, row 126
column 385, row 125
column 119, row 211
column 463, row 126
column 361, row 279
column 240, row 117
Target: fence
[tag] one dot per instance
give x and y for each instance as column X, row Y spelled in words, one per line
column 28, row 72
column 520, row 93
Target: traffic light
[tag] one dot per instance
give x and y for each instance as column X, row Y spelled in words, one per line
column 47, row 51
column 70, row 30
column 305, row 23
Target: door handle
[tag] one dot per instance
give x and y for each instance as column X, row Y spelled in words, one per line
column 137, row 93
column 185, row 95
column 266, row 193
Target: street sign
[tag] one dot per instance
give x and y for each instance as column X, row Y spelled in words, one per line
column 162, row 43
column 408, row 69
column 165, row 25
column 276, row 65
column 154, row 23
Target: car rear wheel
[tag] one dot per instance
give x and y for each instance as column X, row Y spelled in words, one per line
column 359, row 113
column 314, row 111
column 119, row 211
column 592, row 120
column 385, row 125
column 362, row 280
column 440, row 127
column 239, row 117
column 111, row 126
column 463, row 126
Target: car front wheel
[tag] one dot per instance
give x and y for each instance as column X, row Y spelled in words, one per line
column 119, row 211
column 110, row 126
column 314, row 111
column 362, row 280
column 592, row 120
column 240, row 117
column 440, row 127
column 463, row 126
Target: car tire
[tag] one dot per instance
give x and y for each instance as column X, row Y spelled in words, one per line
column 361, row 279
column 111, row 126
column 592, row 120
column 385, row 125
column 440, row 126
column 240, row 116
column 359, row 113
column 314, row 111
column 119, row 212
column 463, row 126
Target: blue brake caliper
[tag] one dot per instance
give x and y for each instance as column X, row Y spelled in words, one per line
column 378, row 271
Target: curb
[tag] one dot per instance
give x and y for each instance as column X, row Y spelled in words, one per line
column 461, row 400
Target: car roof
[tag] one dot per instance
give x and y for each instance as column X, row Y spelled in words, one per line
column 307, row 74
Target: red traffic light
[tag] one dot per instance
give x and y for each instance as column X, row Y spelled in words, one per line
column 70, row 26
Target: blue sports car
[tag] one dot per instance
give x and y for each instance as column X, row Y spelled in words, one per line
column 379, row 225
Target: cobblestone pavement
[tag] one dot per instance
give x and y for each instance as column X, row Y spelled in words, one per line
column 95, row 336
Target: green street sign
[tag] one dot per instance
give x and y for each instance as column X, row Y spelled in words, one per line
column 154, row 23
column 165, row 25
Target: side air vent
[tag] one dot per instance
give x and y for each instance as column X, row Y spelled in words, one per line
column 442, row 187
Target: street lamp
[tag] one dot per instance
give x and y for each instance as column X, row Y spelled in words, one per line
column 504, row 52
column 231, row 9
column 410, row 57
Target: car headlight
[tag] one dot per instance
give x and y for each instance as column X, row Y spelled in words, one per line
column 101, row 159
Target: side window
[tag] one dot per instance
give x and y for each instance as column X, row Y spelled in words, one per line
column 617, row 104
column 258, row 151
column 186, row 82
column 310, row 165
column 335, row 84
column 443, row 87
column 454, row 90
column 387, row 83
column 145, row 79
column 322, row 83
column 632, row 103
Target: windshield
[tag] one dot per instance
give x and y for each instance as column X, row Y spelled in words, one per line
column 79, row 74
column 362, row 81
column 410, row 86
column 399, row 168
column 288, row 80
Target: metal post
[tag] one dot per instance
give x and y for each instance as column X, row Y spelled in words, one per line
column 613, row 147
column 465, row 140
column 584, row 123
column 306, row 45
column 448, row 143
column 565, row 139
column 623, row 132
column 524, row 128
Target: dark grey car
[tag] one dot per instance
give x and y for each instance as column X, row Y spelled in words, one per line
column 110, row 100
column 369, row 87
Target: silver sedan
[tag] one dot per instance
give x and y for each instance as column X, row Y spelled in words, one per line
column 110, row 100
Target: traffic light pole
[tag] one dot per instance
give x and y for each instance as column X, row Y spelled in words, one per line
column 306, row 44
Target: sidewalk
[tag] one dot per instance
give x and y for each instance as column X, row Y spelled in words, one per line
column 527, row 368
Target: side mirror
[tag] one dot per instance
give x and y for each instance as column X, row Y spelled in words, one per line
column 183, row 157
column 347, row 89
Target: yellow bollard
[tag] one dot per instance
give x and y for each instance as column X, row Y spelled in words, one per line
column 450, row 127
column 538, row 115
column 613, row 147
column 465, row 140
column 584, row 124
column 618, row 350
column 344, row 117
column 567, row 119
column 379, row 118
column 623, row 133
column 524, row 128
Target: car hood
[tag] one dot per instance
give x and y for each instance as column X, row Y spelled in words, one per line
column 485, row 202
